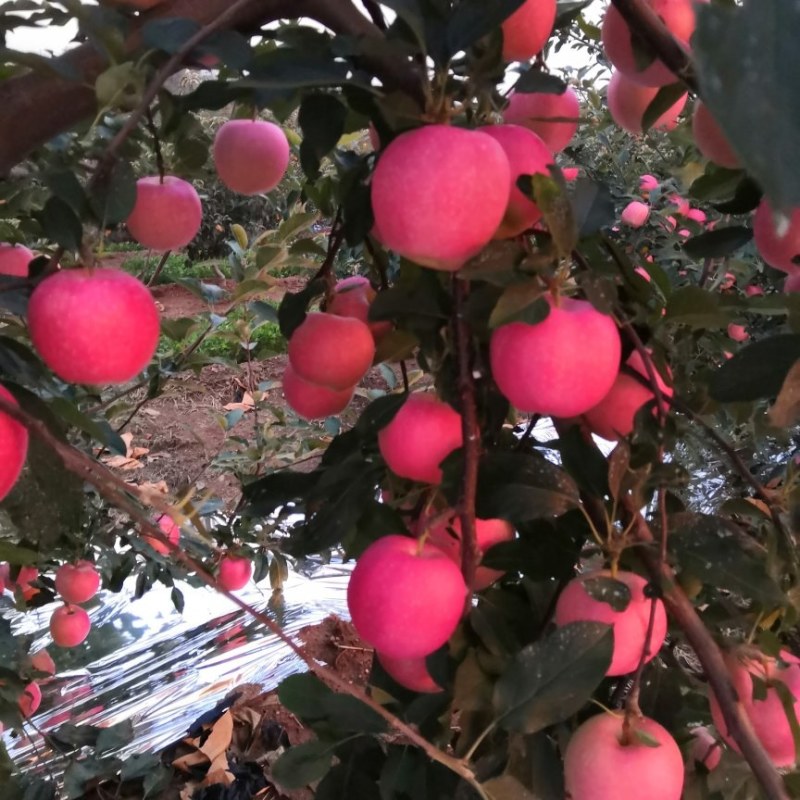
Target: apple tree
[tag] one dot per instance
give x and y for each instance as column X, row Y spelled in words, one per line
column 538, row 215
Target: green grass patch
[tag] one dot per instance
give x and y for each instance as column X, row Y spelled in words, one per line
column 178, row 266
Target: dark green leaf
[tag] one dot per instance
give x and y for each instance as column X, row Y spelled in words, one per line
column 287, row 68
column 747, row 197
column 321, row 119
column 718, row 243
column 303, row 764
column 473, row 19
column 176, row 595
column 551, row 679
column 592, row 206
column 292, row 310
column 696, row 307
column 608, row 590
column 584, row 462
column 114, row 194
column 665, row 98
column 265, row 495
column 168, row 35
column 98, row 428
column 263, row 312
column 65, row 185
column 535, row 80
column 114, row 737
column 230, row 47
column 60, row 224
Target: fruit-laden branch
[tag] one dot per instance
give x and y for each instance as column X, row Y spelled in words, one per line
column 647, row 25
column 118, row 493
column 51, row 104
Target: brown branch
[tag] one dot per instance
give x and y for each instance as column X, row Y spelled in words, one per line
column 647, row 25
column 470, row 555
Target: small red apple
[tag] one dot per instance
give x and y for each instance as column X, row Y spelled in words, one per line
column 42, row 661
column 94, row 327
column 420, row 436
column 710, row 139
column 635, row 214
column 627, row 102
column 598, row 765
column 311, row 400
column 14, row 260
column 167, row 214
column 251, row 156
column 738, row 332
column 13, row 446
column 171, row 530
column 575, row 604
column 527, row 30
column 751, row 290
column 405, row 598
column 234, row 572
column 69, row 626
column 331, row 351
column 647, row 183
column 25, row 577
column 30, row 699
column 534, row 110
column 412, row 673
column 77, row 583
column 352, row 297
column 705, row 749
column 780, row 251
column 697, row 215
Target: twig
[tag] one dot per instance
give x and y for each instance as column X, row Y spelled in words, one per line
column 151, row 126
column 404, row 373
column 376, row 14
column 161, row 264
column 528, row 431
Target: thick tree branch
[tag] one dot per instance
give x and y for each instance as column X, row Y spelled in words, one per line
column 647, row 25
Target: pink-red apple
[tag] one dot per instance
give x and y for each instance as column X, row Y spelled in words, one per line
column 628, row 101
column 575, row 604
column 647, row 183
column 405, row 597
column 527, row 155
column 352, row 297
column 69, row 626
column 527, row 30
column 96, row 327
column 738, row 332
column 562, row 366
column 779, row 250
column 30, row 699
column 570, row 173
column 171, row 530
column 14, row 260
column 552, row 117
column 420, row 436
column 751, row 290
column 331, row 351
column 24, row 582
column 312, row 400
column 696, row 215
column 251, row 156
column 430, row 197
column 13, row 446
column 614, row 416
column 600, row 765
column 635, row 214
column 77, row 583
column 412, row 673
column 42, row 661
column 710, row 139
column 705, row 749
column 167, row 214
column 234, row 572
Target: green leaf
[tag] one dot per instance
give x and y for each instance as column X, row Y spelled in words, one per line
column 14, row 554
column 553, row 678
column 757, row 371
column 176, row 595
column 744, row 55
column 645, row 738
column 506, row 787
column 292, row 310
column 321, row 119
column 608, row 590
column 60, row 224
column 114, row 737
column 303, row 764
column 168, row 35
column 584, row 462
column 98, row 428
column 535, row 80
column 263, row 312
column 288, row 68
column 592, row 206
column 696, row 307
column 718, row 243
column 230, row 47
column 65, row 185
column 114, row 195
column 304, row 695
column 520, row 302
column 665, row 98
column 473, row 19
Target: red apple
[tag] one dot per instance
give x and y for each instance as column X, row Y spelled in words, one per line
column 430, row 197
column 95, row 327
column 77, row 583
column 647, row 183
column 575, row 604
column 570, row 173
column 710, row 139
column 751, row 290
column 635, row 214
column 352, row 297
column 167, row 215
column 527, row 155
column 697, row 215
column 679, row 18
column 705, row 749
column 778, row 250
column 533, row 110
column 331, row 351
column 767, row 715
column 613, row 417
column 420, row 436
column 527, row 30
column 412, row 673
column 251, row 156
column 234, row 572
column 69, row 626
column 14, row 260
column 25, row 578
column 311, row 400
column 738, row 332
column 171, row 530
column 30, row 699
column 562, row 366
column 13, row 447
column 42, row 661
column 405, row 598
column 792, row 283
column 627, row 102
column 598, row 765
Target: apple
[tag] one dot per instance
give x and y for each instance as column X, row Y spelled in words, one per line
column 575, row 604
column 792, row 283
column 251, row 156
column 167, row 214
column 14, row 260
column 30, row 699
column 679, row 18
column 570, row 173
column 647, row 183
column 77, row 583
column 681, row 204
column 614, row 416
column 94, row 326
column 430, row 197
column 171, row 530
column 332, row 351
column 374, row 138
column 562, row 366
column 527, row 155
column 312, row 400
column 643, row 273
column 533, row 110
column 627, row 102
column 600, row 765
column 412, row 673
column 767, row 715
column 738, row 332
column 25, row 578
column 352, row 297
column 635, row 214
column 527, row 30
column 234, row 572
column 419, row 437
column 42, row 661
column 778, row 250
column 13, row 447
column 446, row 535
column 710, row 139
column 405, row 598
column 69, row 625
column 751, row 290
column 705, row 749
column 697, row 215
